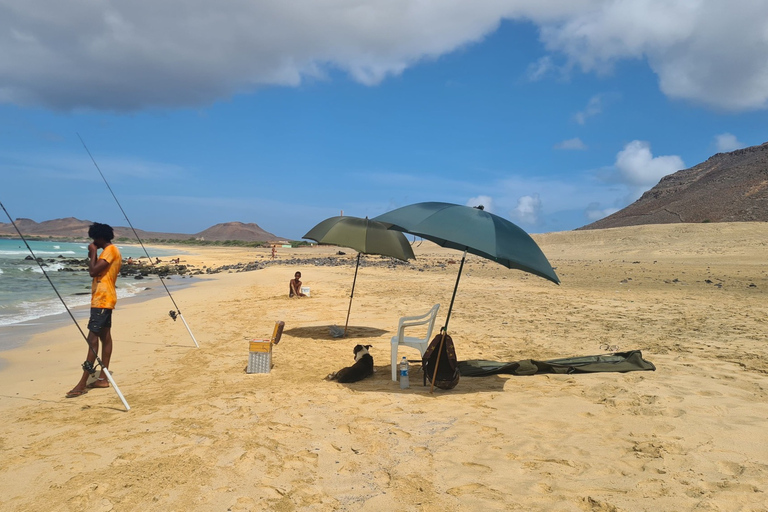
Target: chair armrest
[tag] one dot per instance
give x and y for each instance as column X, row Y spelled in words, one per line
column 414, row 318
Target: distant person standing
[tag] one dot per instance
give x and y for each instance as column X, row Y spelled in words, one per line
column 295, row 286
column 104, row 269
column 274, row 252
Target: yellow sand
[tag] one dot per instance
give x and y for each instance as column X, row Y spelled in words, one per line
column 203, row 435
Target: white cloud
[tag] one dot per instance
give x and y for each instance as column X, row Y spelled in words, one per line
column 571, row 144
column 637, row 165
column 486, row 201
column 594, row 107
column 124, row 56
column 705, row 51
column 528, row 210
column 594, row 212
column 138, row 54
column 727, row 142
column 541, row 68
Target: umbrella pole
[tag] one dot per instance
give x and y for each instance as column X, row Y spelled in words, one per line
column 448, row 317
column 351, row 295
column 453, row 298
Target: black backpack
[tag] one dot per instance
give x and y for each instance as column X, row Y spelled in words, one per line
column 448, row 370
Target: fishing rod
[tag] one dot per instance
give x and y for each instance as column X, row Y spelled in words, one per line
column 87, row 366
column 162, row 281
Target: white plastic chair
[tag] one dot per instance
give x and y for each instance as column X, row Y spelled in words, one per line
column 409, row 341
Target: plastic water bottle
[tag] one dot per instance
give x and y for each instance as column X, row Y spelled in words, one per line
column 405, row 382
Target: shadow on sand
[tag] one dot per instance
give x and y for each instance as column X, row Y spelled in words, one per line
column 381, row 381
column 323, row 332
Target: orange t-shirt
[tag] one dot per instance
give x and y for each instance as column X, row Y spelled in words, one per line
column 103, row 293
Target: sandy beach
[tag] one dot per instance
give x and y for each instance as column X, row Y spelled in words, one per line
column 203, row 435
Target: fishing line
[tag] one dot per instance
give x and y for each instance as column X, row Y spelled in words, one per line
column 87, row 366
column 151, row 262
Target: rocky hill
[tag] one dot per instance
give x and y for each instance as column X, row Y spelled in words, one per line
column 236, row 231
column 728, row 187
column 76, row 228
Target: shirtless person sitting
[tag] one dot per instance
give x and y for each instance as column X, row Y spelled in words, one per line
column 295, row 286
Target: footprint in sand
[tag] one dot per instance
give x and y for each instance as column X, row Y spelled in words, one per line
column 475, row 488
column 475, row 466
column 730, row 468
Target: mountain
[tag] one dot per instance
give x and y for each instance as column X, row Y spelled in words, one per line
column 76, row 228
column 236, row 231
column 728, row 187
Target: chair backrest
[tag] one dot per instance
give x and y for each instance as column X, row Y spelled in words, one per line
column 427, row 318
column 432, row 318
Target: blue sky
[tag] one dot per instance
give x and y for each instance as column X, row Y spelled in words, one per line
column 551, row 114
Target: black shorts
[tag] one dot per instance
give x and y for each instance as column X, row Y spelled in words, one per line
column 101, row 318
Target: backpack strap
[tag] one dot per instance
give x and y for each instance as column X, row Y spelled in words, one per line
column 443, row 335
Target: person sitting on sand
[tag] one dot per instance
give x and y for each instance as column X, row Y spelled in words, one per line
column 295, row 286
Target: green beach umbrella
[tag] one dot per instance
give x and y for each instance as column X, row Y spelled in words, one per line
column 471, row 230
column 363, row 235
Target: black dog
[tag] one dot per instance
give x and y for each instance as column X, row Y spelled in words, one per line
column 362, row 368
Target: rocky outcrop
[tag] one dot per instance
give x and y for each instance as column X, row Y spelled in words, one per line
column 728, row 187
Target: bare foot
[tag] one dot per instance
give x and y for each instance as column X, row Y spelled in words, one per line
column 98, row 383
column 74, row 393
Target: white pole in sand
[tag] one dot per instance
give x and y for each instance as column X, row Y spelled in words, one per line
column 188, row 329
column 117, row 389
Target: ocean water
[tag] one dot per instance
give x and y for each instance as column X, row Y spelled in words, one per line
column 26, row 296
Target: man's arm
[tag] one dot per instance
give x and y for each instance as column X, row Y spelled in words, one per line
column 96, row 266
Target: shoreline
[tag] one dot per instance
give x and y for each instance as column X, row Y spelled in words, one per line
column 206, row 257
column 21, row 333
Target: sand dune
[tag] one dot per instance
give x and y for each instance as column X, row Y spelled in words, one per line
column 204, row 435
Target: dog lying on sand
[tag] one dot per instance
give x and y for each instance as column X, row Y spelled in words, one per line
column 362, row 368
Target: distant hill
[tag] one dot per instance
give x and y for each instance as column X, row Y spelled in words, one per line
column 236, row 231
column 728, row 187
column 76, row 228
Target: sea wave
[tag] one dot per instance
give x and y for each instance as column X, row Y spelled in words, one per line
column 19, row 252
column 26, row 311
column 49, row 267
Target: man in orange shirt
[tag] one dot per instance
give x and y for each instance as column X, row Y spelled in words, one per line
column 104, row 270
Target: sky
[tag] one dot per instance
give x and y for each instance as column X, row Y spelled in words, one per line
column 552, row 114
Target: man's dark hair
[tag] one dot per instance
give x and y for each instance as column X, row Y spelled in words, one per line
column 103, row 231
